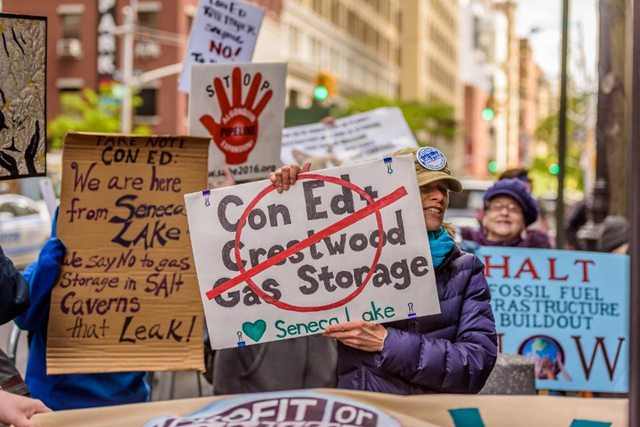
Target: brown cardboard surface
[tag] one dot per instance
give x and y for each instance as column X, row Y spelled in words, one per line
column 143, row 312
column 410, row 411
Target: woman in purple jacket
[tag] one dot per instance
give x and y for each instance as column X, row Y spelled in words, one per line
column 509, row 209
column 452, row 352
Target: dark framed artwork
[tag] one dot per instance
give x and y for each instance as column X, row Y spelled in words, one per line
column 23, row 96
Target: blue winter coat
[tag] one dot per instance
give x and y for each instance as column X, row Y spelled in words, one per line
column 451, row 352
column 60, row 392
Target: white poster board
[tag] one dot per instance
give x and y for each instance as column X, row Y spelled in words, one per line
column 241, row 106
column 222, row 31
column 276, row 266
column 357, row 138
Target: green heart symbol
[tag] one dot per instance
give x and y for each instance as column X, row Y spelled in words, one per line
column 254, row 330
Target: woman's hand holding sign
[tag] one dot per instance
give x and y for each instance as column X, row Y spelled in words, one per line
column 366, row 336
column 286, row 176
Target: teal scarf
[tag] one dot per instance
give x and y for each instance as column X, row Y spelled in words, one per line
column 441, row 244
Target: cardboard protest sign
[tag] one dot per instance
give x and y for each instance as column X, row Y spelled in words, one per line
column 126, row 298
column 222, row 31
column 23, row 94
column 342, row 244
column 241, row 107
column 346, row 408
column 361, row 137
column 567, row 310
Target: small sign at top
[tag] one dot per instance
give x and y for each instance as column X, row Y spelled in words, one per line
column 222, row 31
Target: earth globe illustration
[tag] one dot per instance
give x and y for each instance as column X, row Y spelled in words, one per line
column 547, row 354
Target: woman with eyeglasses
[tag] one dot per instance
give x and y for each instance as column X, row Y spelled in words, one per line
column 509, row 209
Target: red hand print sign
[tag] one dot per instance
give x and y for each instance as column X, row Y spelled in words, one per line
column 242, row 108
column 237, row 131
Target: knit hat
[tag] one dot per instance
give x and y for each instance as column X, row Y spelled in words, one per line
column 431, row 165
column 517, row 190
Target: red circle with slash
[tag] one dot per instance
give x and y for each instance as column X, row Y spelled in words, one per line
column 290, row 307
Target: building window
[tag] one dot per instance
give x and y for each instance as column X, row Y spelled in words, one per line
column 351, row 23
column 148, row 20
column 70, row 24
column 317, row 6
column 149, row 106
column 335, row 61
column 293, row 98
column 294, row 41
column 316, row 50
column 147, row 47
column 335, row 12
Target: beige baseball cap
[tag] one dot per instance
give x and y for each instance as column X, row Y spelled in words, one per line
column 431, row 165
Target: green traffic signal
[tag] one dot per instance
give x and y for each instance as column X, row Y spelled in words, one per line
column 320, row 93
column 488, row 114
column 493, row 167
column 554, row 169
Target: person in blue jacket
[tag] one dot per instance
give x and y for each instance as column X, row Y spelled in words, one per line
column 75, row 391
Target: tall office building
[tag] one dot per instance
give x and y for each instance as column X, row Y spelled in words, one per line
column 429, row 58
column 353, row 42
column 429, row 51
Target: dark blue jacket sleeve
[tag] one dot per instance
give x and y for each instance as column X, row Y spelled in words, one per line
column 14, row 292
column 441, row 365
column 42, row 276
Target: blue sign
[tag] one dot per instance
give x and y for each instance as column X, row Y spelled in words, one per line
column 567, row 310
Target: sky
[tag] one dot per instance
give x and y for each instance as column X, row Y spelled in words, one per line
column 546, row 43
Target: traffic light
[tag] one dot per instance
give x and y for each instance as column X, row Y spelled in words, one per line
column 489, row 112
column 554, row 169
column 493, row 166
column 320, row 93
column 326, row 86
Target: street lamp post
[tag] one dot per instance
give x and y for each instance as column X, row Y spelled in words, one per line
column 562, row 128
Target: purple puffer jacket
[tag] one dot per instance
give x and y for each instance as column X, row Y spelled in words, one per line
column 451, row 352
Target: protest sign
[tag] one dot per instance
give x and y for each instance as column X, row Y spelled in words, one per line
column 126, row 298
column 241, row 107
column 342, row 244
column 23, row 94
column 567, row 310
column 222, row 31
column 346, row 408
column 361, row 137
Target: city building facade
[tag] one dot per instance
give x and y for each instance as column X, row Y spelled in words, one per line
column 506, row 93
column 532, row 86
column 511, row 68
column 83, row 51
column 353, row 42
column 429, row 59
column 477, row 69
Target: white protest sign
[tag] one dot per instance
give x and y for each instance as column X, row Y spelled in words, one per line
column 277, row 266
column 241, row 106
column 222, row 31
column 361, row 137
